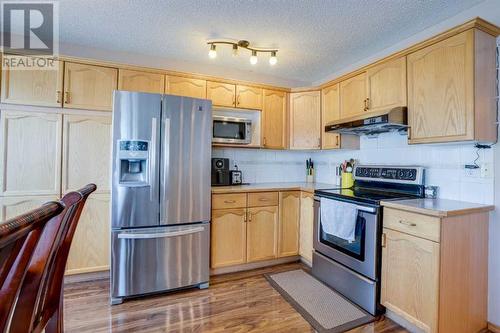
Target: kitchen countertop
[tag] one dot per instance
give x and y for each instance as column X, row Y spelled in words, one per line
column 438, row 207
column 284, row 186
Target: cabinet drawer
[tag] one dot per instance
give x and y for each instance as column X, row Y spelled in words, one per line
column 262, row 199
column 414, row 224
column 232, row 200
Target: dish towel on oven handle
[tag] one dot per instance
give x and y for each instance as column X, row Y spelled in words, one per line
column 339, row 218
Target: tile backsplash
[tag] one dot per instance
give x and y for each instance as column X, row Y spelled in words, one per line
column 444, row 164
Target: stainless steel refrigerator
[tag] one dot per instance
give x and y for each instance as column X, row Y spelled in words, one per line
column 160, row 193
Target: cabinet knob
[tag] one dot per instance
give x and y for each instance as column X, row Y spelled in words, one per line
column 368, row 104
column 58, row 96
column 409, row 224
column 66, row 97
column 383, row 240
column 229, row 201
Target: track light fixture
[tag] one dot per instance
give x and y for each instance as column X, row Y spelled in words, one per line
column 244, row 44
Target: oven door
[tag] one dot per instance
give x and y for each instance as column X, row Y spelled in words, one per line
column 360, row 255
column 231, row 130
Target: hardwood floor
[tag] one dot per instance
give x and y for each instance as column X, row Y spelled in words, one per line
column 236, row 302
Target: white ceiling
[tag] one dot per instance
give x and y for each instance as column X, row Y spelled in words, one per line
column 315, row 37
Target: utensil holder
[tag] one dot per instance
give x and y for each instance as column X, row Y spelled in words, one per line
column 310, row 178
column 347, row 180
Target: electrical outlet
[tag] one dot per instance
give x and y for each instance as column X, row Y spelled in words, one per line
column 485, row 170
column 472, row 172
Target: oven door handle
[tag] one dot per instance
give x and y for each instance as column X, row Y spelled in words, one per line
column 358, row 207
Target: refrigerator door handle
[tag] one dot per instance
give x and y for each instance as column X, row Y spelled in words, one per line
column 166, row 168
column 127, row 235
column 153, row 157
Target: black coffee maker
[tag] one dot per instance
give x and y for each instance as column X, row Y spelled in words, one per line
column 221, row 176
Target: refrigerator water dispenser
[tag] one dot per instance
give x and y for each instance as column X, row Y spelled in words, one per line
column 134, row 163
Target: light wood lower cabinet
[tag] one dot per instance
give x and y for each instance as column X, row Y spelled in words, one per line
column 306, row 226
column 229, row 237
column 89, row 87
column 86, row 152
column 436, row 278
column 13, row 206
column 410, row 275
column 30, row 152
column 141, row 81
column 33, row 87
column 183, row 86
column 262, row 233
column 90, row 249
column 288, row 234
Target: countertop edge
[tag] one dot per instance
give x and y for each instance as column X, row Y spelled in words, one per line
column 437, row 213
column 261, row 187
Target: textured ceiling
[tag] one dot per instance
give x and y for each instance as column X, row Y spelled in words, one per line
column 315, row 37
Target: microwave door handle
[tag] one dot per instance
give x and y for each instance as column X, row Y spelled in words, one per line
column 154, row 235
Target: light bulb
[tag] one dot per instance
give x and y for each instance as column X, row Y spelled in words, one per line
column 212, row 54
column 235, row 50
column 253, row 58
column 273, row 60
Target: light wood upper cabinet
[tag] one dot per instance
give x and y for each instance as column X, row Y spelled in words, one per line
column 262, row 233
column 305, row 120
column 91, row 243
column 410, row 271
column 221, row 94
column 274, row 119
column 248, row 97
column 386, row 85
column 353, row 96
column 13, row 206
column 306, row 226
column 330, row 111
column 86, row 152
column 229, row 243
column 30, row 153
column 183, row 86
column 89, row 87
column 141, row 81
column 451, row 90
column 33, row 87
column 288, row 235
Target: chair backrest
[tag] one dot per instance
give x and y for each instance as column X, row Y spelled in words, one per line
column 18, row 239
column 46, row 259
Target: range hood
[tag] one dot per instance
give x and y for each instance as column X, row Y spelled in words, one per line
column 372, row 123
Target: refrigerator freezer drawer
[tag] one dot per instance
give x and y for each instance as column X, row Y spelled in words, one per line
column 158, row 259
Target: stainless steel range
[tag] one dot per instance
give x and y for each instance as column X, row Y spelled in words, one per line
column 348, row 229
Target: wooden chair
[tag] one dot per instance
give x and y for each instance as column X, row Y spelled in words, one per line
column 40, row 299
column 18, row 240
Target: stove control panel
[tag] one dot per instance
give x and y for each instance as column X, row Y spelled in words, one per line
column 399, row 174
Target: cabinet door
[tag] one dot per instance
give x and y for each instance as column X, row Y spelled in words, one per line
column 141, row 81
column 353, row 96
column 86, row 152
column 305, row 120
column 183, row 86
column 262, row 233
column 221, row 94
column 274, row 119
column 13, row 206
column 90, row 247
column 89, row 87
column 306, row 226
column 386, row 85
column 248, row 97
column 440, row 91
column 30, row 150
column 288, row 241
column 229, row 237
column 33, row 87
column 330, row 111
column 410, row 278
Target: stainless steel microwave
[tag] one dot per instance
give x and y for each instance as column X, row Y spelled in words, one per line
column 232, row 130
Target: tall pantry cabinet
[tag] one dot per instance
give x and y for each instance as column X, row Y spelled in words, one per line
column 48, row 152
